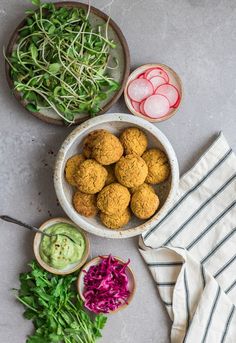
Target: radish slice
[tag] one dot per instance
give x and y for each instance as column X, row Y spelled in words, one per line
column 141, row 76
column 156, row 106
column 157, row 81
column 140, row 89
column 156, row 72
column 141, row 109
column 177, row 103
column 169, row 91
column 148, row 71
column 135, row 105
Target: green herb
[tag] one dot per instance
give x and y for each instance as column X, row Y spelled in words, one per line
column 55, row 308
column 62, row 62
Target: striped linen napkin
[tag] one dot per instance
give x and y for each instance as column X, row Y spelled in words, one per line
column 191, row 252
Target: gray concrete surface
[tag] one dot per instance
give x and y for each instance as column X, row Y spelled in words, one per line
column 196, row 38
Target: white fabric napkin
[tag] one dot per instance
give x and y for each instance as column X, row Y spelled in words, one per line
column 191, row 252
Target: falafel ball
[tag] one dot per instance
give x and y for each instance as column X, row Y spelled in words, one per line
column 117, row 220
column 71, row 167
column 131, row 170
column 134, row 141
column 144, row 203
column 85, row 204
column 90, row 140
column 111, row 174
column 90, row 177
column 143, row 186
column 107, row 149
column 113, row 199
column 158, row 165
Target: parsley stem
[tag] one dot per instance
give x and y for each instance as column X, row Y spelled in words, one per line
column 27, row 305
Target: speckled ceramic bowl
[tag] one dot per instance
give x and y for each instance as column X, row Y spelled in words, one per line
column 115, row 123
column 129, row 273
column 72, row 267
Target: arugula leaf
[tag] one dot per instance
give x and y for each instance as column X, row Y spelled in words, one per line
column 34, row 51
column 54, row 68
column 31, row 107
column 36, row 2
column 51, row 29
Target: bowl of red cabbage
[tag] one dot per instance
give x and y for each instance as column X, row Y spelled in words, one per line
column 106, row 284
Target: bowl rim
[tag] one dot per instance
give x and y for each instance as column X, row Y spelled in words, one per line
column 94, row 261
column 116, row 95
column 38, row 237
column 133, row 76
column 90, row 124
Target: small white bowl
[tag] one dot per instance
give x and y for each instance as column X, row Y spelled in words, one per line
column 72, row 267
column 174, row 80
column 114, row 123
column 129, row 273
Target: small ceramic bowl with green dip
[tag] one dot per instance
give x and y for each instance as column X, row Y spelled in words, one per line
column 64, row 252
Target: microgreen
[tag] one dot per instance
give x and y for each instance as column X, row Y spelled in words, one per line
column 55, row 308
column 62, row 62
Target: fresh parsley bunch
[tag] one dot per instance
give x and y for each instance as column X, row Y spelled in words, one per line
column 56, row 309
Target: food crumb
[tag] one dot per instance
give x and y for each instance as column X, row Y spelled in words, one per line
column 44, row 162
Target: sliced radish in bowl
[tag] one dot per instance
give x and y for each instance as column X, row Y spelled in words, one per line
column 153, row 91
column 156, row 106
column 140, row 89
column 156, row 72
column 157, row 81
column 170, row 92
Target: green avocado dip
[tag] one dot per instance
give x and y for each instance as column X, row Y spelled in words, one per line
column 59, row 251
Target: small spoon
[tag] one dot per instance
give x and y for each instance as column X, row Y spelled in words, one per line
column 32, row 228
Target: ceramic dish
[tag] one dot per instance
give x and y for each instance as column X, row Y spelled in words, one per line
column 174, row 79
column 121, row 53
column 115, row 123
column 129, row 273
column 71, row 268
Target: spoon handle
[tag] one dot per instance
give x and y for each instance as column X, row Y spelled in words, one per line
column 27, row 226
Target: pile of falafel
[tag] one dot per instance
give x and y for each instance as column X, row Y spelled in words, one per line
column 114, row 176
